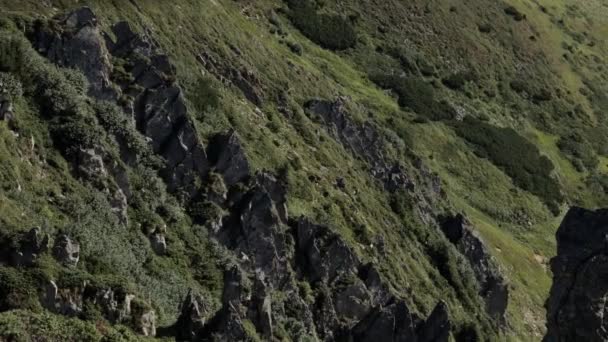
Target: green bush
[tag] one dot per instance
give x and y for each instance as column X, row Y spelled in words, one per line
column 417, row 95
column 458, row 80
column 579, row 151
column 18, row 290
column 329, row 31
column 205, row 95
column 515, row 155
column 12, row 51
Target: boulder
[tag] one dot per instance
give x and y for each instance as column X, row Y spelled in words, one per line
column 145, row 323
column 90, row 165
column 576, row 307
column 158, row 243
column 66, row 251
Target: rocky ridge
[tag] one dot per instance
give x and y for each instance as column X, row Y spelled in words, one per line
column 275, row 253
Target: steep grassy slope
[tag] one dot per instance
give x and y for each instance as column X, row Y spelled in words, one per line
column 541, row 76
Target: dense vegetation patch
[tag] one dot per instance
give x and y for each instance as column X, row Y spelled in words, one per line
column 516, row 156
column 579, row 151
column 417, row 95
column 330, row 31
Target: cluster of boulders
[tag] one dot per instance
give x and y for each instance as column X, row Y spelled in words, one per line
column 30, row 245
column 116, row 304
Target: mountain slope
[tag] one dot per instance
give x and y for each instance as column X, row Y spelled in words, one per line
column 368, row 140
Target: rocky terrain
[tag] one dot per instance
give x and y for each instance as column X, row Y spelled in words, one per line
column 301, row 171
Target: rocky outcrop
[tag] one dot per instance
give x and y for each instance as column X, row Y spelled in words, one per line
column 365, row 141
column 115, row 304
column 576, row 308
column 79, row 44
column 157, row 105
column 493, row 288
column 192, row 319
column 228, row 158
column 66, row 250
column 145, row 84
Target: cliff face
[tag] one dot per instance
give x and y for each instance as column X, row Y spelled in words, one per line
column 577, row 304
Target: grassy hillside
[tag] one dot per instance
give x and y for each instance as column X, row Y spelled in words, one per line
column 534, row 69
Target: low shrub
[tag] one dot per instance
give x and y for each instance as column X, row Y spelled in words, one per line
column 516, row 156
column 458, row 80
column 329, row 31
column 579, row 151
column 417, row 95
column 204, row 95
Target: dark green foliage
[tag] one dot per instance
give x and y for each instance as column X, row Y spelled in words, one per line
column 579, row 151
column 202, row 211
column 205, row 95
column 458, row 80
column 417, row 95
column 515, row 155
column 329, row 31
column 11, row 53
column 74, row 132
column 18, row 289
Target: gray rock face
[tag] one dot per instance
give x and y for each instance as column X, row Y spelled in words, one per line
column 576, row 308
column 155, row 101
column 190, row 324
column 322, row 255
column 493, row 288
column 66, row 251
column 229, row 159
column 80, row 45
column 159, row 108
